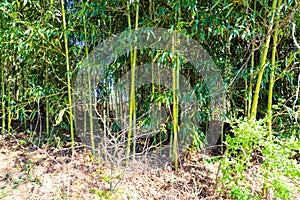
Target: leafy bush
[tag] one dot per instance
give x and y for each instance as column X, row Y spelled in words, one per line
column 278, row 174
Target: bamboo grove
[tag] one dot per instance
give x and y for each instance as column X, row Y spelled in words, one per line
column 255, row 45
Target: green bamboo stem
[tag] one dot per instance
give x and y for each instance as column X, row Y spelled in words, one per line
column 134, row 61
column 47, row 102
column 175, row 90
column 251, row 82
column 84, row 85
column 153, row 87
column 159, row 110
column 131, row 94
column 132, row 109
column 115, row 103
column 68, row 76
column 175, row 106
column 271, row 83
column 8, row 90
column 2, row 56
column 175, row 85
column 90, row 104
column 251, row 70
column 3, row 96
column 262, row 64
column 121, row 109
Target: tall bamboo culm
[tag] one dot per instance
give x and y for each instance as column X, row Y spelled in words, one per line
column 262, row 63
column 68, row 76
column 90, row 107
column 249, row 95
column 175, row 87
column 132, row 107
column 271, row 82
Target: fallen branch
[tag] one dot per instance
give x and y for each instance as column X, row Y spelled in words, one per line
column 294, row 38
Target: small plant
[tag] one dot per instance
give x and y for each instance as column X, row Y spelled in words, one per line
column 3, row 193
column 108, row 194
column 26, row 174
column 278, row 173
column 281, row 171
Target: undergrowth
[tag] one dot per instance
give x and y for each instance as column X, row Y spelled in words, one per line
column 277, row 171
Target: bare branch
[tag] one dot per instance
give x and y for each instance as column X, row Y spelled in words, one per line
column 294, row 38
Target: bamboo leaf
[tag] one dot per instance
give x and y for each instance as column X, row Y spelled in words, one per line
column 60, row 117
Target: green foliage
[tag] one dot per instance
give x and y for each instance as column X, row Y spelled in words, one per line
column 33, row 49
column 279, row 171
column 107, row 194
column 35, row 82
column 280, row 160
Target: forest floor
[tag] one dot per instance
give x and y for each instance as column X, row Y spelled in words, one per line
column 28, row 172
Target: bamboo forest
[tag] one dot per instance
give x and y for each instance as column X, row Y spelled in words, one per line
column 150, row 99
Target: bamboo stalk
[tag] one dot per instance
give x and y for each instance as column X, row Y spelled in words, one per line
column 132, row 107
column 8, row 90
column 251, row 70
column 68, row 76
column 175, row 90
column 47, row 102
column 89, row 90
column 3, row 96
column 271, row 83
column 175, row 105
column 2, row 62
column 262, row 64
column 131, row 94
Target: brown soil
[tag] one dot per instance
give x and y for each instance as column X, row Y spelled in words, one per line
column 28, row 172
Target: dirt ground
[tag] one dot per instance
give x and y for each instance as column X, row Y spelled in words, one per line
column 28, row 172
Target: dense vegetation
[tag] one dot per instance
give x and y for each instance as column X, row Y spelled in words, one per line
column 255, row 45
